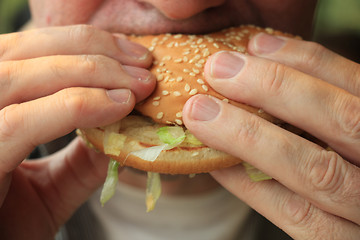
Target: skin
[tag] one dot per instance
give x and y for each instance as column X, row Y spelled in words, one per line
column 96, row 79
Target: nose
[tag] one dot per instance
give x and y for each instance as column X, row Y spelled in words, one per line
column 182, row 9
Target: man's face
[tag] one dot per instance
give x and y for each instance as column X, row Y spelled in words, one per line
column 185, row 16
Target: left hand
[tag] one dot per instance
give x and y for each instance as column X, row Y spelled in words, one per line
column 315, row 193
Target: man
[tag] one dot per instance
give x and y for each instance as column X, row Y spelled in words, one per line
column 56, row 79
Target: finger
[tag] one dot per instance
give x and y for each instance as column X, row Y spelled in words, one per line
column 320, row 176
column 72, row 40
column 24, row 126
column 310, row 58
column 24, row 80
column 295, row 215
column 326, row 111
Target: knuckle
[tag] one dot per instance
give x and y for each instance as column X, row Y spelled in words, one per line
column 248, row 131
column 88, row 64
column 297, row 210
column 303, row 216
column 92, row 64
column 313, row 54
column 326, row 173
column 8, row 122
column 73, row 102
column 7, row 43
column 274, row 80
column 8, row 72
column 82, row 33
column 352, row 83
column 348, row 118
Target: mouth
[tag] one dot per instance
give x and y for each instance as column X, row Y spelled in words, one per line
column 147, row 20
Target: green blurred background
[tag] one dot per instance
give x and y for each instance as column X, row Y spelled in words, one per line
column 337, row 23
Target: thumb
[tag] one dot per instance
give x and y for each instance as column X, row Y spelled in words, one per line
column 73, row 174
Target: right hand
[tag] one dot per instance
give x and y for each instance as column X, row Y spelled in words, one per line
column 53, row 80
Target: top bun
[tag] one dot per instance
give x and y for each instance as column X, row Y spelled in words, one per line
column 178, row 67
column 179, row 61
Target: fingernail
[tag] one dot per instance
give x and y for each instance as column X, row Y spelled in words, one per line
column 132, row 49
column 265, row 43
column 140, row 74
column 226, row 65
column 119, row 95
column 204, row 108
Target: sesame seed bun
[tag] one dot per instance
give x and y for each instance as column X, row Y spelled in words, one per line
column 178, row 66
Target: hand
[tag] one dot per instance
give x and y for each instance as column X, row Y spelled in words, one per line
column 315, row 193
column 54, row 80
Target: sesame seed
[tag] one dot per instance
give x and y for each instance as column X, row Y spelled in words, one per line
column 179, row 114
column 187, row 87
column 177, row 94
column 179, row 79
column 199, row 65
column 269, row 30
column 197, row 50
column 161, row 64
column 206, row 88
column 200, row 41
column 160, row 77
column 170, row 45
column 156, row 98
column 177, row 36
column 178, row 60
column 201, row 61
column 200, row 81
column 195, row 70
column 202, row 46
column 216, row 45
column 260, row 111
column 185, row 70
column 192, row 74
column 160, row 115
column 185, row 59
column 151, row 48
column 168, row 72
column 156, row 103
column 226, row 100
column 178, row 122
column 193, row 91
column 206, row 52
column 186, row 53
column 166, row 58
column 172, row 80
column 165, row 93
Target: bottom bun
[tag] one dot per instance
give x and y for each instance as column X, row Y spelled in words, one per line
column 139, row 132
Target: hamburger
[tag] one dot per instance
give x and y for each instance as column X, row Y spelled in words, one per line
column 153, row 138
